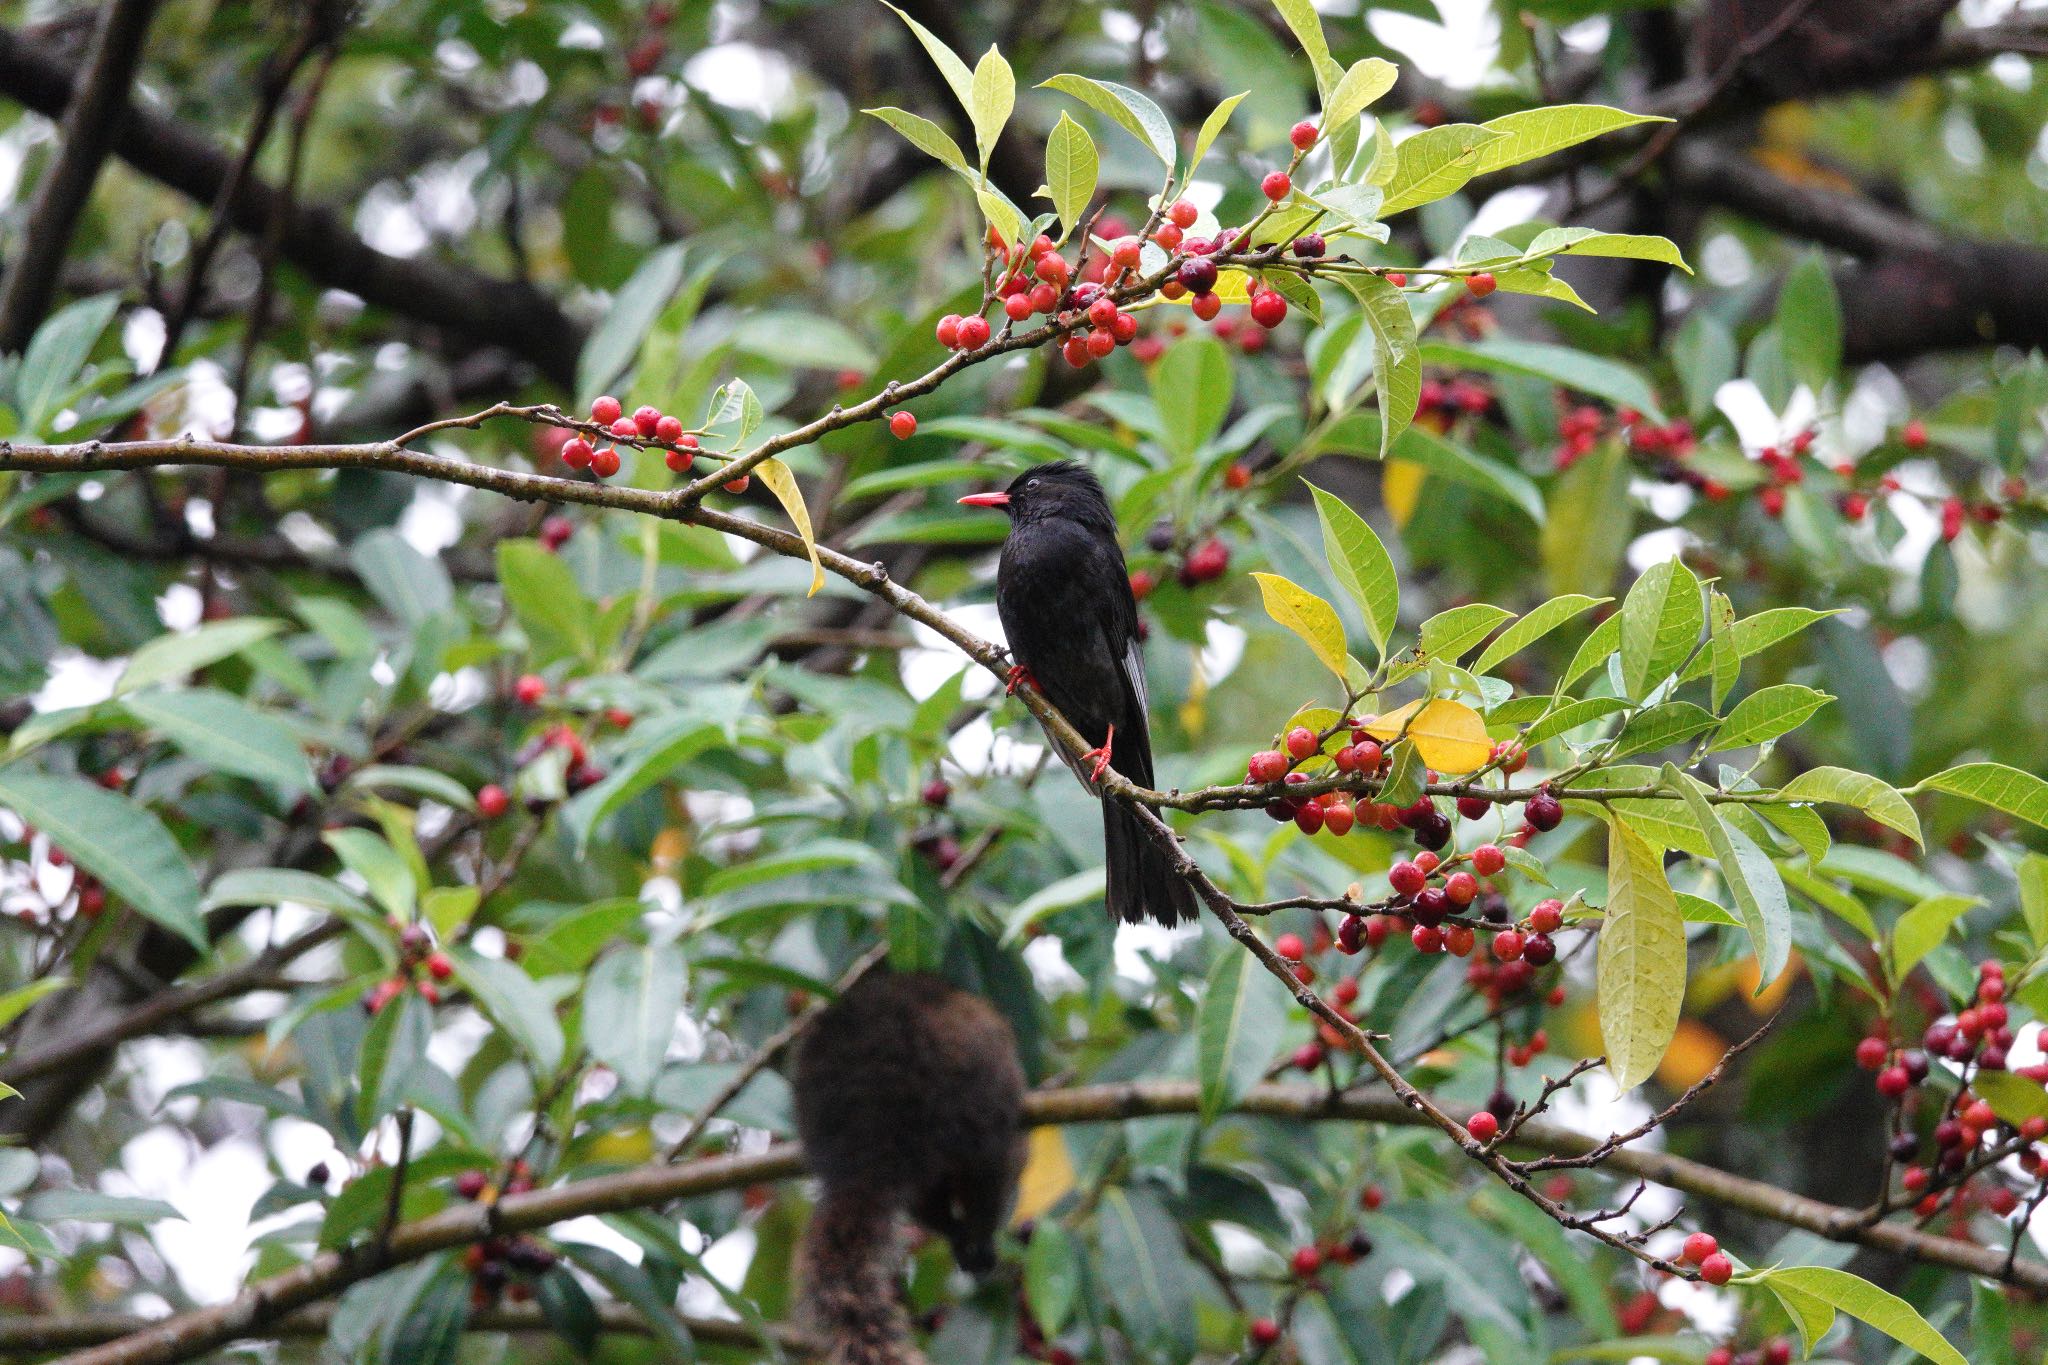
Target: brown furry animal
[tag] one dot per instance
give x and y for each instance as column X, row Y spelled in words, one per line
column 908, row 1097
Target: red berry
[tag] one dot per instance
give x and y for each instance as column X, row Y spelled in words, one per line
column 1264, row 1331
column 1717, row 1269
column 1481, row 284
column 492, row 802
column 902, row 425
column 1267, row 765
column 1459, row 939
column 1307, row 1261
column 1126, row 254
column 1871, row 1053
column 1427, row 938
column 1183, row 214
column 1237, row 475
column 738, row 485
column 1914, row 435
column 1101, row 343
column 605, row 462
column 1075, row 349
column 1310, row 246
column 530, row 688
column 1309, row 819
column 948, row 331
column 1547, row 917
column 576, row 453
column 1543, row 811
column 1276, row 186
column 1290, row 947
column 1462, row 888
column 605, row 411
column 973, row 332
column 1473, row 807
column 439, row 966
column 1206, row 306
column 1307, row 1057
column 1720, row 1355
column 1777, row 1351
column 647, row 420
column 1406, row 878
column 679, row 461
column 1269, row 309
column 1303, row 136
column 1893, row 1082
column 1017, row 307
column 1487, row 859
column 1301, row 741
column 1507, row 945
column 625, row 428
column 1483, row 1126
column 1698, row 1247
column 1538, row 950
column 470, row 1184
column 1338, row 818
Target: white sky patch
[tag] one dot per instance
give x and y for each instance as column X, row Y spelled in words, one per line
column 1509, row 208
column 742, row 76
column 1459, row 52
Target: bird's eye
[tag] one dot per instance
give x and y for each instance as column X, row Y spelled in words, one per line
column 1030, row 483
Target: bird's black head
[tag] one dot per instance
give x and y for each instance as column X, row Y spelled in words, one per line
column 1061, row 490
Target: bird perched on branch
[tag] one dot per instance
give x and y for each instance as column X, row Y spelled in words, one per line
column 1064, row 595
column 908, row 1099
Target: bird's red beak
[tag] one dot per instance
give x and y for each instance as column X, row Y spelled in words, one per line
column 986, row 500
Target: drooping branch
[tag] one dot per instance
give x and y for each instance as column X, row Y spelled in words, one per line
column 262, row 1305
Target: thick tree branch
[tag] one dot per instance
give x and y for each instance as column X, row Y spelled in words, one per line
column 257, row 1310
column 97, row 108
column 317, row 241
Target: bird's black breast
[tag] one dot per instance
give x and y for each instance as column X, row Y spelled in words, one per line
column 1065, row 601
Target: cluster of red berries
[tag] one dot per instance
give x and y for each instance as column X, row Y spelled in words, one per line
column 645, row 426
column 502, row 1265
column 1776, row 1351
column 939, row 840
column 1441, row 401
column 1702, row 1251
column 420, row 965
column 1205, row 562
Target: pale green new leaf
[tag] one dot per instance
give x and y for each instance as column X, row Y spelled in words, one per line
column 1366, row 81
column 1071, row 169
column 1921, row 929
column 1874, row 797
column 1640, row 976
column 1751, row 877
column 1754, row 634
column 1132, row 111
column 2019, row 794
column 1583, row 241
column 1212, row 127
column 1449, row 634
column 1434, row 163
column 2033, row 877
column 1768, row 713
column 1397, row 366
column 1360, row 562
column 1307, row 27
column 224, row 732
column 1888, row 1313
column 958, row 78
column 1534, row 627
column 1661, row 620
column 1531, row 133
column 923, row 134
column 992, row 96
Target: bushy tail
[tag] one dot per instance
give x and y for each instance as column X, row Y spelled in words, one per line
column 1141, row 881
column 849, row 1273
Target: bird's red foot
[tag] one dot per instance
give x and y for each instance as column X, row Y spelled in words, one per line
column 1101, row 756
column 1019, row 677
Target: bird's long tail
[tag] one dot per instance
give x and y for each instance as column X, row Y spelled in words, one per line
column 850, row 1259
column 1142, row 884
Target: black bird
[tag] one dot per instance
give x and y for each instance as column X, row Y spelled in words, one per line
column 1065, row 600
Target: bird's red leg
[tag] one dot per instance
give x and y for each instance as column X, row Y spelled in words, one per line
column 1101, row 756
column 1019, row 676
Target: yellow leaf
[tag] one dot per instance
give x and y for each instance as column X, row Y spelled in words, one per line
column 1449, row 735
column 1401, row 489
column 1048, row 1175
column 782, row 484
column 1308, row 616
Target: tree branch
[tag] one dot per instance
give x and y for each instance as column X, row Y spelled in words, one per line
column 96, row 108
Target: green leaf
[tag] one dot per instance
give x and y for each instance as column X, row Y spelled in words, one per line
column 1768, row 713
column 1921, row 929
column 1640, row 975
column 1397, row 366
column 1153, row 1286
column 1581, row 241
column 115, row 839
column 1723, row 661
column 1751, row 877
column 1361, row 564
column 1052, row 1273
column 1534, row 627
column 435, row 786
column 1071, row 168
column 1705, row 355
column 21, row 999
column 1076, row 888
column 1434, row 163
column 1600, row 644
column 1448, row 635
column 2018, row 794
column 1754, row 634
column 394, row 1050
column 1133, row 112
column 1307, row 27
column 1660, row 726
column 2033, row 878
column 411, row 586
column 512, row 1000
column 1308, row 616
column 1531, row 133
column 924, row 135
column 1191, row 386
column 169, row 658
column 1599, row 376
column 2013, row 1098
column 1587, row 524
column 993, row 96
column 670, row 742
column 1839, row 1290
column 1810, row 322
column 958, row 78
column 279, row 885
column 90, row 1206
column 1239, row 1022
column 1661, row 620
column 1571, row 716
column 383, row 868
column 1212, row 126
column 1874, row 797
column 616, row 339
column 630, row 1005
column 1365, row 82
column 226, row 733
column 55, row 354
